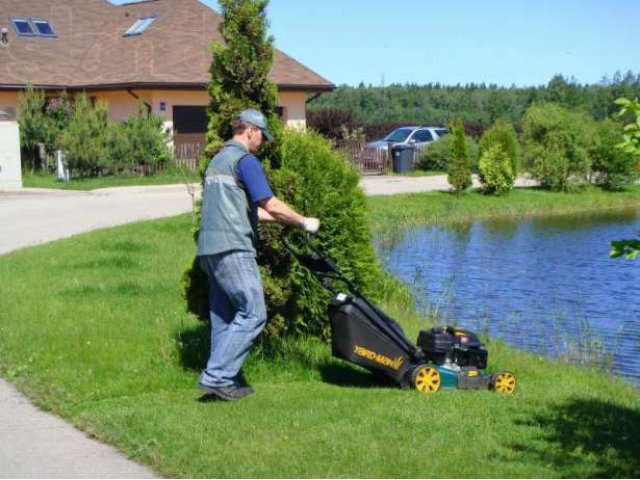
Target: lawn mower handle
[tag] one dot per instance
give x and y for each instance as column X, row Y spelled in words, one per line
column 319, row 264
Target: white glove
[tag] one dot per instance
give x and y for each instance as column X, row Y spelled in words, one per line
column 310, row 224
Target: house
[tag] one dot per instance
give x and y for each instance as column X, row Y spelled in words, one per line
column 156, row 51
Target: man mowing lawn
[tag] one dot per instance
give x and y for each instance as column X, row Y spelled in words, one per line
column 237, row 195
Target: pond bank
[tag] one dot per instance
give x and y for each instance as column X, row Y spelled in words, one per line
column 544, row 284
column 396, row 213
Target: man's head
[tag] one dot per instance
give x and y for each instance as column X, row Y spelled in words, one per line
column 251, row 125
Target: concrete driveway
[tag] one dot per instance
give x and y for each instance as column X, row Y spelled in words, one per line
column 35, row 444
column 33, row 216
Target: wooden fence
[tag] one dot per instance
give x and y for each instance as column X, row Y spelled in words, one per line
column 372, row 161
column 187, row 149
column 368, row 161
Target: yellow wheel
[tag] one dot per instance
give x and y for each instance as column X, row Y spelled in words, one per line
column 426, row 379
column 503, row 382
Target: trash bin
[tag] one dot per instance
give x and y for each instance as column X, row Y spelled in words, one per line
column 402, row 158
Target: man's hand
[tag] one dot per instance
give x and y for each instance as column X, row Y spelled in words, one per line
column 310, row 224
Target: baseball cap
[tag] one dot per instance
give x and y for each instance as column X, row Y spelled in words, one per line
column 254, row 117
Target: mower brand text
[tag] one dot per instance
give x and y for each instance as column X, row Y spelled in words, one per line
column 379, row 358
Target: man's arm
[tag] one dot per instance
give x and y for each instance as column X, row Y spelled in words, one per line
column 270, row 209
column 264, row 216
column 275, row 210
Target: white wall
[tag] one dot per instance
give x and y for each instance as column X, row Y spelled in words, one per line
column 295, row 109
column 122, row 104
column 10, row 168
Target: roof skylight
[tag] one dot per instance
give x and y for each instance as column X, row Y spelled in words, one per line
column 23, row 27
column 43, row 27
column 32, row 27
column 140, row 26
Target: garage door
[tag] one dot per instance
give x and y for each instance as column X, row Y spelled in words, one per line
column 190, row 126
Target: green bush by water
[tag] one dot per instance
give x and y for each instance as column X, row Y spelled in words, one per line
column 437, row 156
column 557, row 144
column 495, row 167
column 503, row 134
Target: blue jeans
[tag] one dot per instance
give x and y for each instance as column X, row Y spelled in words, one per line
column 237, row 311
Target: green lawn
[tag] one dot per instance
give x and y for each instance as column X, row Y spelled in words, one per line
column 94, row 329
column 39, row 180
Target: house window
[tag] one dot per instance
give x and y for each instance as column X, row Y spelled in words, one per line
column 23, row 27
column 32, row 27
column 43, row 27
column 140, row 26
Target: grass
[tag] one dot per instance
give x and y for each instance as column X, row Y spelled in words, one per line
column 168, row 177
column 94, row 329
column 395, row 213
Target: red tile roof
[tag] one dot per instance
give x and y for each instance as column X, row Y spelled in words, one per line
column 90, row 50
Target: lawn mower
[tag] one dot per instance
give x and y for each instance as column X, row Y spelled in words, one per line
column 361, row 333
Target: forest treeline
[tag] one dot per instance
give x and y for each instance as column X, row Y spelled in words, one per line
column 477, row 105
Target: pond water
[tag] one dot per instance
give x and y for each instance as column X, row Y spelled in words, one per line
column 544, row 284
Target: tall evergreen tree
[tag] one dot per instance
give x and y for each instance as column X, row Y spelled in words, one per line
column 304, row 171
column 459, row 175
column 239, row 70
column 239, row 80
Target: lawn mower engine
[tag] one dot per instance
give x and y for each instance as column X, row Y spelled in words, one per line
column 459, row 356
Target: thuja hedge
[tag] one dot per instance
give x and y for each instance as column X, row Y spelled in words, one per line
column 319, row 182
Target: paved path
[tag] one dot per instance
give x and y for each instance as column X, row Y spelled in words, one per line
column 35, row 444
column 392, row 185
column 32, row 216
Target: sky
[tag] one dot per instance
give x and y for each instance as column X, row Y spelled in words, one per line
column 502, row 42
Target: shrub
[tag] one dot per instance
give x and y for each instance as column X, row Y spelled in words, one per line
column 119, row 145
column 41, row 123
column 93, row 146
column 330, row 121
column 316, row 180
column 437, row 156
column 504, row 134
column 85, row 139
column 147, row 141
column 613, row 166
column 557, row 144
column 629, row 248
column 33, row 124
column 459, row 173
column 496, row 174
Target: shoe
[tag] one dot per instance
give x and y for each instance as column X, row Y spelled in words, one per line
column 228, row 393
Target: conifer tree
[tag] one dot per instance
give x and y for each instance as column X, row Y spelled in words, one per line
column 239, row 71
column 459, row 174
column 239, row 80
column 304, row 171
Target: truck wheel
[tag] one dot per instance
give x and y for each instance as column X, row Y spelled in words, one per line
column 503, row 382
column 425, row 378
